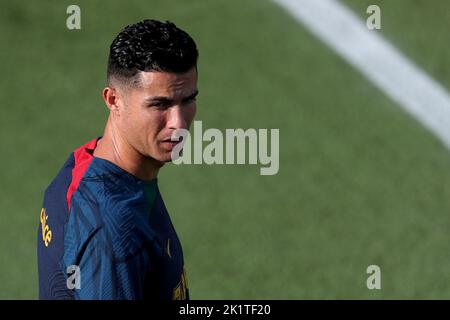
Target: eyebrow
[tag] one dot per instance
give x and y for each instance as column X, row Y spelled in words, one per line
column 190, row 97
column 166, row 99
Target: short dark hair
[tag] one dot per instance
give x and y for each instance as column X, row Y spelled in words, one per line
column 150, row 45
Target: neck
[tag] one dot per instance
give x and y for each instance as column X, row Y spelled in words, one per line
column 114, row 148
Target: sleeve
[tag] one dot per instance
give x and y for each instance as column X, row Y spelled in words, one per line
column 50, row 247
column 94, row 262
column 50, row 238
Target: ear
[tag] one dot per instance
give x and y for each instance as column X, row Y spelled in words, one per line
column 111, row 97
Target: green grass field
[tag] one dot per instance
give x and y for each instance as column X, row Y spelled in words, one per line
column 360, row 181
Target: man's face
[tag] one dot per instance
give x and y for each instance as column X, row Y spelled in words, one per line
column 161, row 104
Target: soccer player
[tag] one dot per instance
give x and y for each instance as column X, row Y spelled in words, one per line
column 104, row 230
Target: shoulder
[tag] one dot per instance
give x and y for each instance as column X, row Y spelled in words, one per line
column 119, row 210
column 54, row 203
column 112, row 205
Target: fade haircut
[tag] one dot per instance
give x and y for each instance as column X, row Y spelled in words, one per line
column 150, row 45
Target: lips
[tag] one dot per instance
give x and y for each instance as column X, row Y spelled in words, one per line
column 174, row 141
column 169, row 144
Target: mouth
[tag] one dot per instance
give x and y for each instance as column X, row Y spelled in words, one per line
column 169, row 143
column 180, row 139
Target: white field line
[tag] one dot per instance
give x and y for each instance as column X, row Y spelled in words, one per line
column 381, row 63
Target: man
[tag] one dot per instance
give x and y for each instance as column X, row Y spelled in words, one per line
column 104, row 230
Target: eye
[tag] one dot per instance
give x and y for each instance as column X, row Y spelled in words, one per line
column 190, row 100
column 160, row 105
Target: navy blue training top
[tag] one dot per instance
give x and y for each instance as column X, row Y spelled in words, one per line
column 105, row 234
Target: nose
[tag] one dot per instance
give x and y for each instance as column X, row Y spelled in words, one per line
column 176, row 118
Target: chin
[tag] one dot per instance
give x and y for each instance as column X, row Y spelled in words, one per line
column 167, row 158
column 163, row 158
